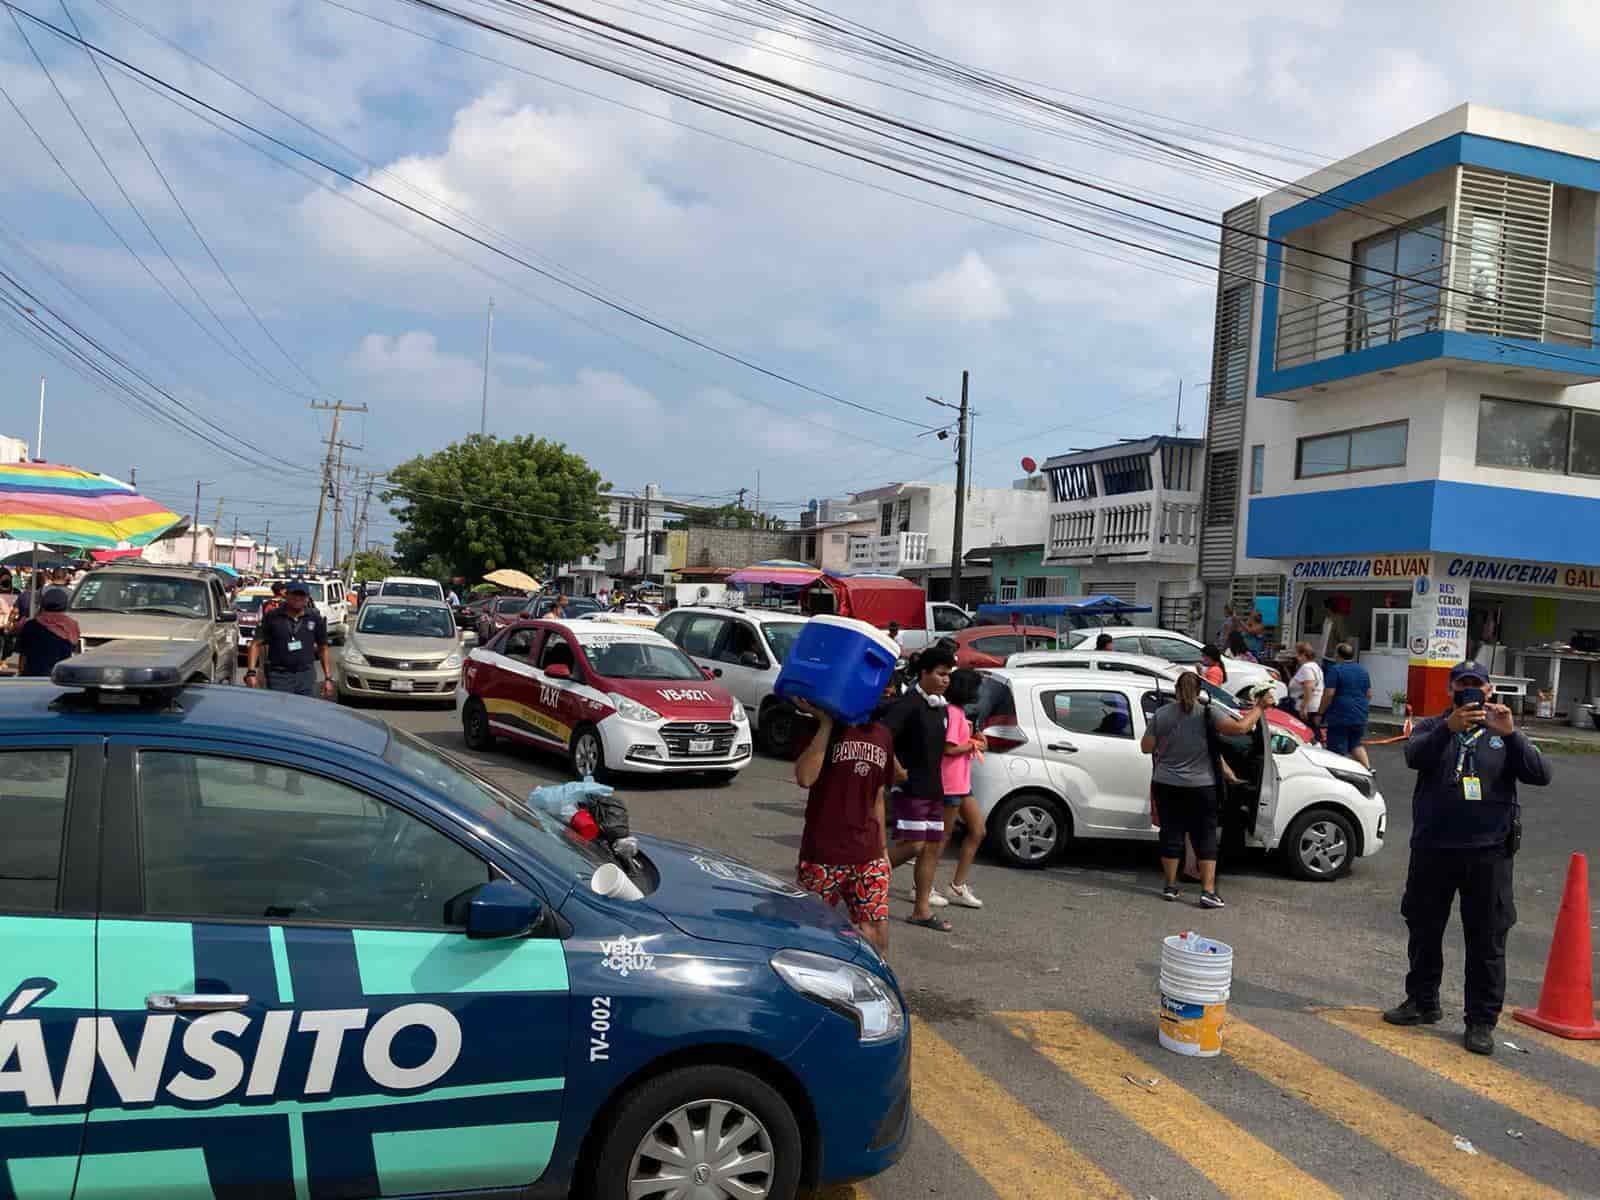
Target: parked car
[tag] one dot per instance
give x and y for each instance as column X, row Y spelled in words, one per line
column 745, row 649
column 1288, row 732
column 322, row 954
column 610, row 697
column 577, row 606
column 143, row 602
column 248, row 603
column 498, row 612
column 411, row 585
column 1064, row 762
column 1178, row 648
column 402, row 648
column 992, row 645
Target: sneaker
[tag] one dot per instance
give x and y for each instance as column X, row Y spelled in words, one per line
column 1212, row 900
column 1170, row 892
column 962, row 894
column 935, row 900
column 1479, row 1039
column 1412, row 1013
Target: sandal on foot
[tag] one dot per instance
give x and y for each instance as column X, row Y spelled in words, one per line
column 937, row 924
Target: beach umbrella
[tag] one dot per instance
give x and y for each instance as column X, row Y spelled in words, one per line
column 780, row 572
column 64, row 506
column 44, row 558
column 517, row 581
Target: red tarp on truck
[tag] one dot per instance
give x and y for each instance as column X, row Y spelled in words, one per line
column 875, row 599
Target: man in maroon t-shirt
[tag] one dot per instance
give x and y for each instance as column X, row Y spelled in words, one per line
column 842, row 850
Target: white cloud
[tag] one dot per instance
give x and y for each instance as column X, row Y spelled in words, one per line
column 968, row 293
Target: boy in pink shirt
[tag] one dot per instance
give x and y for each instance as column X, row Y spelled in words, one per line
column 960, row 744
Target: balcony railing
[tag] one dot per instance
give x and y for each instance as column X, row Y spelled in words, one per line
column 894, row 552
column 1167, row 531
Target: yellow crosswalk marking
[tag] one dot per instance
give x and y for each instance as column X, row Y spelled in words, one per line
column 1017, row 1154
column 846, row 1191
column 1527, row 1035
column 1236, row 1162
column 1402, row 1133
column 1488, row 1078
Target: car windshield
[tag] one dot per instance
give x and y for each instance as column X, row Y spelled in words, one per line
column 406, row 620
column 782, row 637
column 427, row 591
column 157, row 595
column 630, row 658
column 509, row 817
column 248, row 604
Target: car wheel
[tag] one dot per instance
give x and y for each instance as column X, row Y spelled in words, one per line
column 711, row 1132
column 1320, row 845
column 1029, row 829
column 475, row 725
column 778, row 722
column 587, row 753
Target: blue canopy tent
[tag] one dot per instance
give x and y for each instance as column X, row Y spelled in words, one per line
column 1080, row 611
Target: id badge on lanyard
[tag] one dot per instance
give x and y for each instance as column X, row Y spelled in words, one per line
column 294, row 643
column 1466, row 767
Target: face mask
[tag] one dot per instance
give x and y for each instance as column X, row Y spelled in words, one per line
column 1469, row 696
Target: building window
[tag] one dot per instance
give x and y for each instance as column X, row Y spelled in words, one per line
column 886, row 520
column 1072, row 483
column 639, row 511
column 1396, row 281
column 1126, row 476
column 1258, row 468
column 1538, row 437
column 903, row 515
column 658, row 542
column 811, row 547
column 623, row 513
column 1367, row 449
column 1008, row 589
column 1222, row 488
column 1034, row 587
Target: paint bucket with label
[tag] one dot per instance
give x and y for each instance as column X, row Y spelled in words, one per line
column 1196, row 977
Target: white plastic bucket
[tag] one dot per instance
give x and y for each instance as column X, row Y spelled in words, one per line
column 610, row 880
column 1196, row 980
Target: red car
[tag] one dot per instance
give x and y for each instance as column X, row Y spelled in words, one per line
column 610, row 697
column 991, row 645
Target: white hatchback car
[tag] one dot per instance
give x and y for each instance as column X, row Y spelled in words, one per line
column 1181, row 649
column 744, row 649
column 1065, row 762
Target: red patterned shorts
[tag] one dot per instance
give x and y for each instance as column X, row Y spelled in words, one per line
column 864, row 888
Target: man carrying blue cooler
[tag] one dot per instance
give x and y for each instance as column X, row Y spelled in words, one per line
column 1466, row 827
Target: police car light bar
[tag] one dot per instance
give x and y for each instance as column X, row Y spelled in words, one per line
column 130, row 666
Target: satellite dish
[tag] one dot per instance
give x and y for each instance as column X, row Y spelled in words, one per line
column 1029, row 465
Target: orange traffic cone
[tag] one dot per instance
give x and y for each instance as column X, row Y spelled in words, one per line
column 1566, row 1002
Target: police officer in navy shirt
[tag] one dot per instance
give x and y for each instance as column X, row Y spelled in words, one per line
column 292, row 638
column 1466, row 826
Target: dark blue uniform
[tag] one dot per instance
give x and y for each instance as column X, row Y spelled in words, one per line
column 1463, row 844
column 291, row 647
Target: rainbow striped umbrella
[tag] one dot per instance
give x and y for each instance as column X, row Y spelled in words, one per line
column 777, row 571
column 63, row 506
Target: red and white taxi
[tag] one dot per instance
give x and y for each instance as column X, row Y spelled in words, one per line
column 611, row 697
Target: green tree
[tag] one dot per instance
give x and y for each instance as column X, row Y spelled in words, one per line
column 368, row 564
column 487, row 503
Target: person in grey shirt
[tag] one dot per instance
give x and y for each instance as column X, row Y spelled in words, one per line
column 1186, row 783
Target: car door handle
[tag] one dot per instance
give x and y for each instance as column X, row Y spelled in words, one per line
column 1066, row 746
column 194, row 1001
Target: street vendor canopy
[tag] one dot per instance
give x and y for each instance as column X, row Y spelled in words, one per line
column 779, row 572
column 875, row 599
column 1059, row 606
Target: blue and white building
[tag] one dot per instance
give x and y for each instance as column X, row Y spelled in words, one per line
column 1405, row 416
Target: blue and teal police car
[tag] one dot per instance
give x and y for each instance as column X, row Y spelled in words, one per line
column 253, row 945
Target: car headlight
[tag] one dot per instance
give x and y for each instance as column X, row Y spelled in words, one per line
column 451, row 663
column 739, row 717
column 847, row 989
column 354, row 657
column 1361, row 782
column 632, row 710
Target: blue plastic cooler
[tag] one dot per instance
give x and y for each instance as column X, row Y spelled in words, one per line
column 839, row 664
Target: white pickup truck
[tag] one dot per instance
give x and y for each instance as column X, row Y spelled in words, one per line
column 942, row 619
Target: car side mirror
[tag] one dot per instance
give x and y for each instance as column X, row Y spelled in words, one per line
column 497, row 909
column 753, row 660
column 558, row 671
column 228, row 616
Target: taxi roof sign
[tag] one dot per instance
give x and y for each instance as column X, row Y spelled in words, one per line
column 130, row 666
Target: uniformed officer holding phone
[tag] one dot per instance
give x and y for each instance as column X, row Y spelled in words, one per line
column 1466, row 826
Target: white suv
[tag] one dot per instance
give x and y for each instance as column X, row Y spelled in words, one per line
column 1182, row 649
column 1064, row 762
column 745, row 650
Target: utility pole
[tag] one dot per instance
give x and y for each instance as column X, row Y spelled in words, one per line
column 194, row 530
column 647, row 537
column 758, row 499
column 961, row 497
column 1177, row 421
column 38, row 446
column 233, row 551
column 266, row 545
column 133, row 476
column 488, row 345
column 338, row 408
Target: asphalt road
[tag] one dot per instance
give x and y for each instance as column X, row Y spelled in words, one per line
column 1037, row 1071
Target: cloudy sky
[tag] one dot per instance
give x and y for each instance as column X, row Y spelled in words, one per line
column 834, row 274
